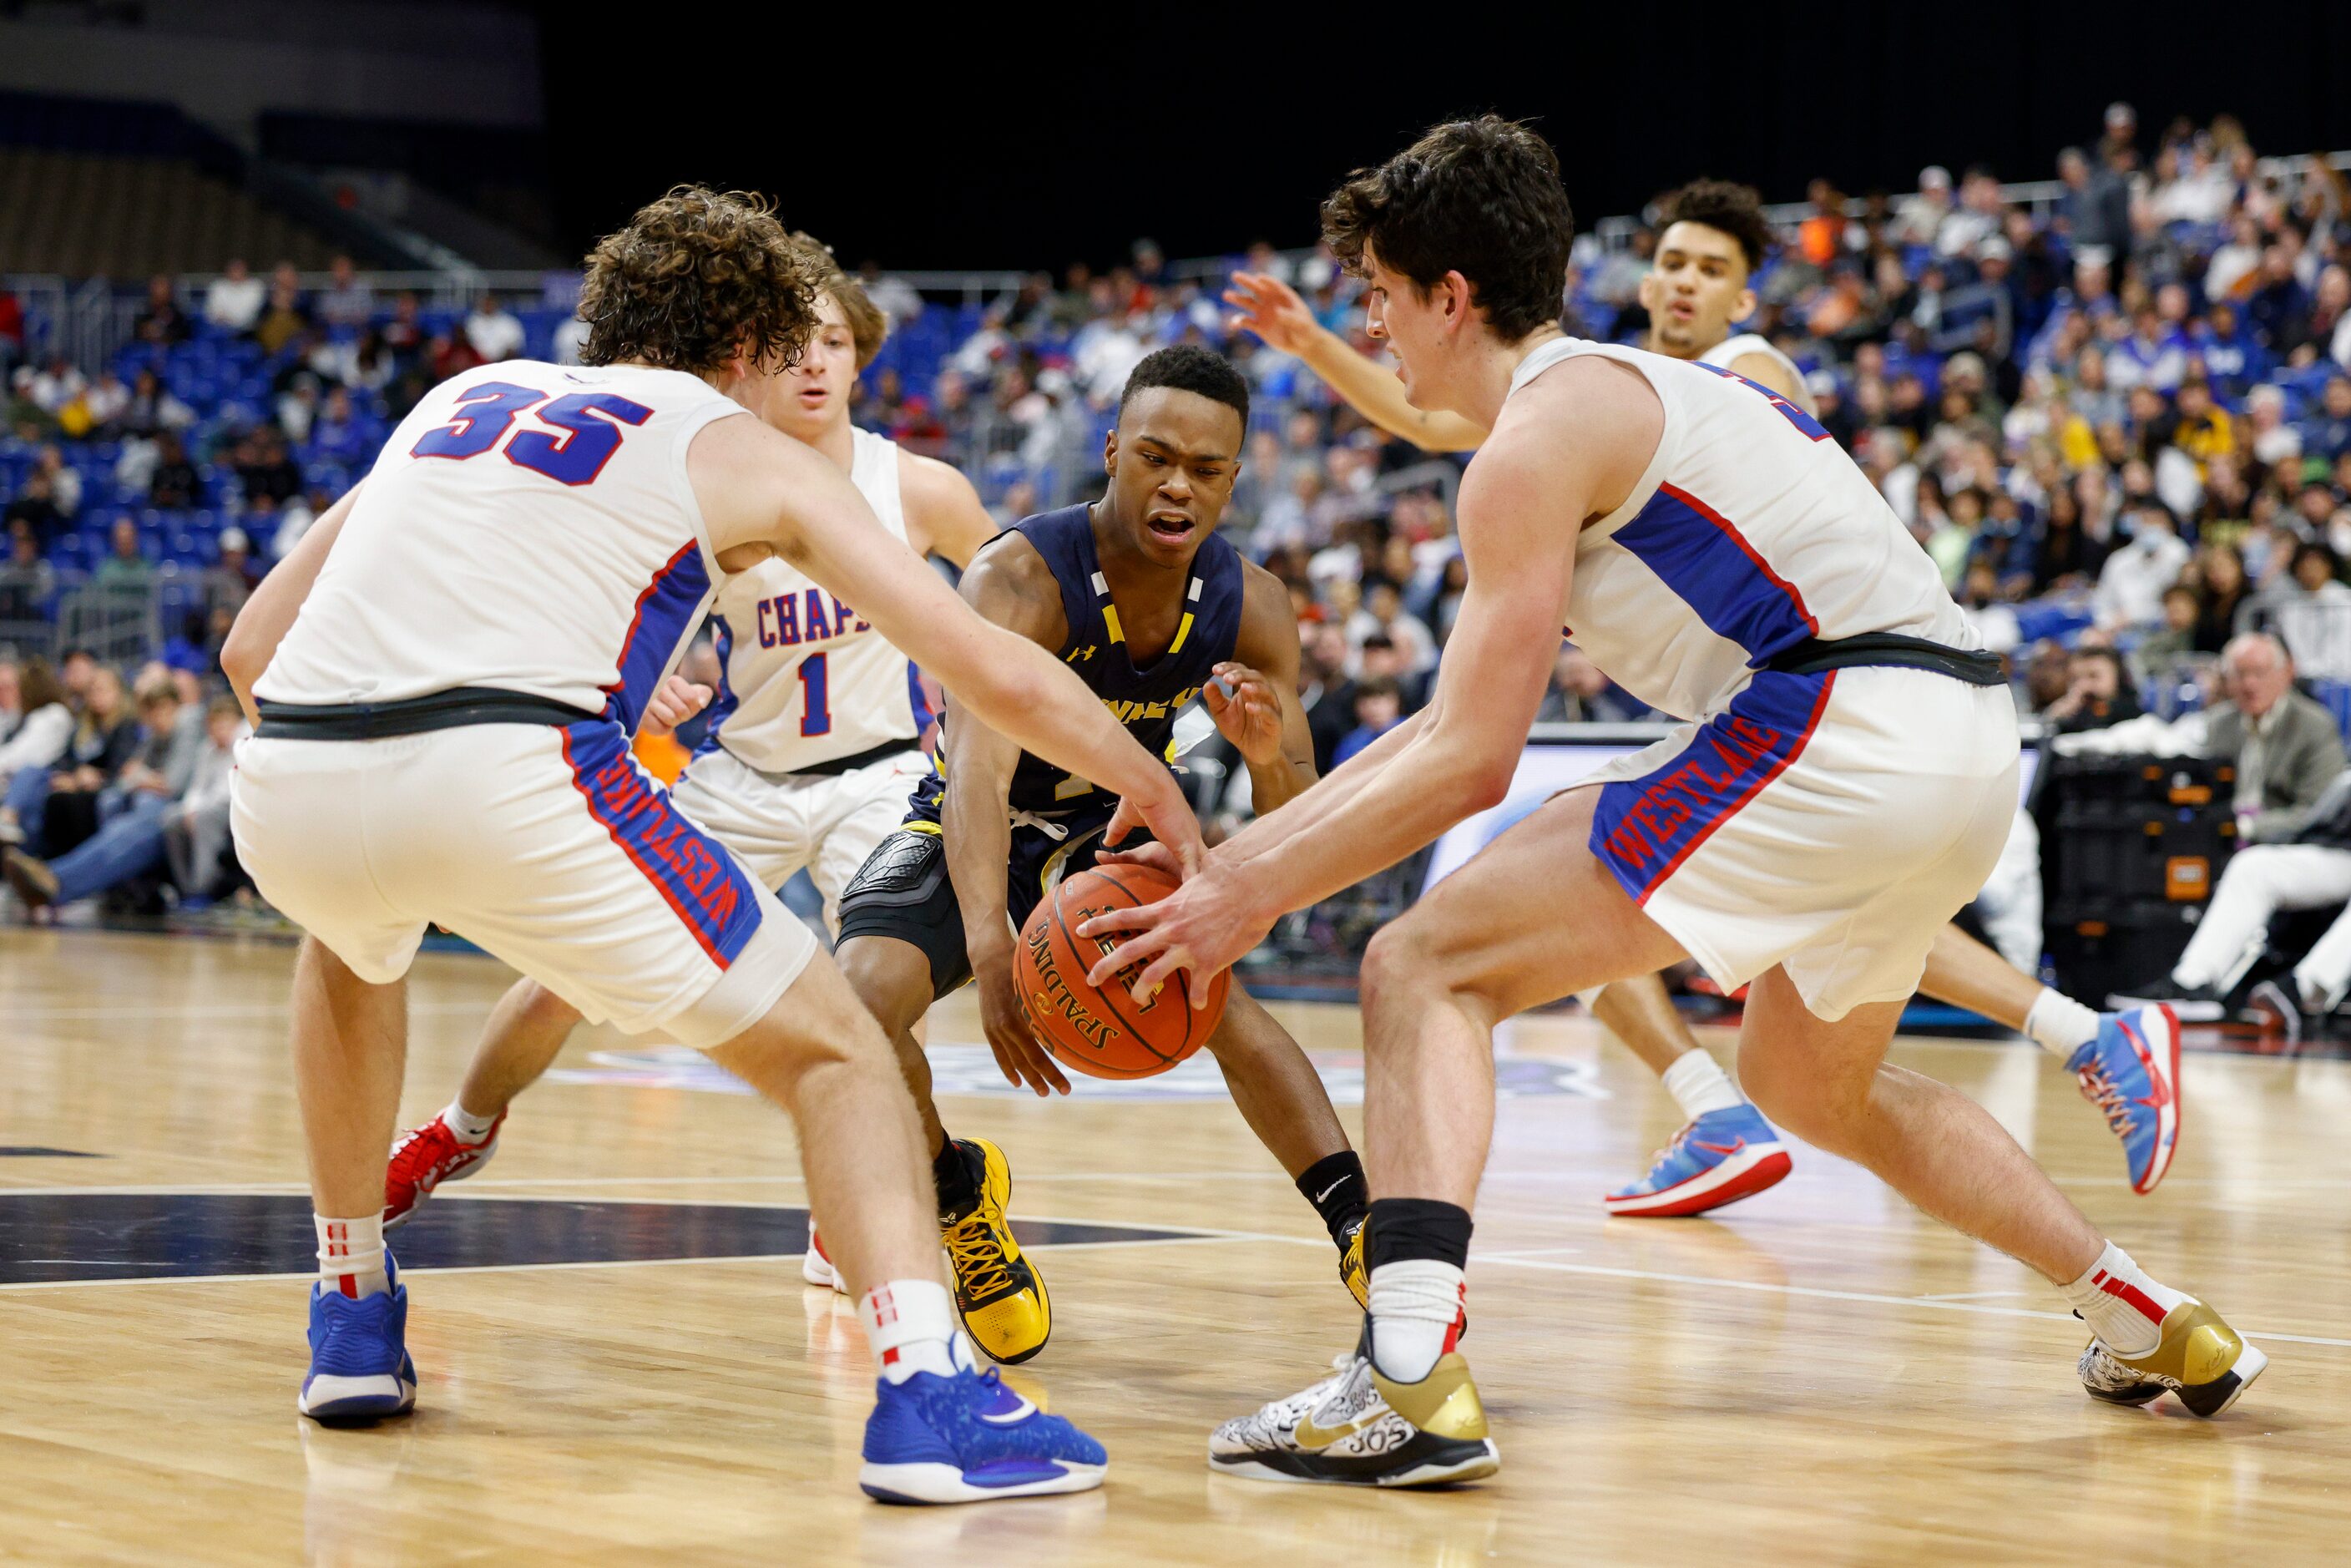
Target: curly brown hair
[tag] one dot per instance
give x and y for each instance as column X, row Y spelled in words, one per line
column 1480, row 196
column 695, row 280
column 869, row 325
column 1734, row 209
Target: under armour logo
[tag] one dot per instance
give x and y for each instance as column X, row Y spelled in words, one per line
column 1083, row 654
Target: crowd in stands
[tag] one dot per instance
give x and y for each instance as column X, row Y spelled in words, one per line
column 2118, row 420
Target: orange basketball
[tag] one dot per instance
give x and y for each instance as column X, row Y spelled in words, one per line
column 1104, row 1032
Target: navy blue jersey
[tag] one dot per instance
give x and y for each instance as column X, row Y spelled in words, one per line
column 1146, row 701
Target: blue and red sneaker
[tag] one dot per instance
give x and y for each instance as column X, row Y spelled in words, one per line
column 1720, row 1158
column 360, row 1369
column 2131, row 1073
column 969, row 1439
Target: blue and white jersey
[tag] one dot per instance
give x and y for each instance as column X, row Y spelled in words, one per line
column 527, row 527
column 1749, row 532
column 803, row 679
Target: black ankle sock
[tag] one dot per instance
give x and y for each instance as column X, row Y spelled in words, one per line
column 958, row 1183
column 1403, row 1229
column 1334, row 1185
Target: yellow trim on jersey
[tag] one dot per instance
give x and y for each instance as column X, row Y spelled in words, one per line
column 1110, row 619
column 930, row 827
column 1183, row 630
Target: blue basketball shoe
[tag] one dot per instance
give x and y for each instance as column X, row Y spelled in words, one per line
column 1720, row 1158
column 968, row 1439
column 2131, row 1073
column 360, row 1369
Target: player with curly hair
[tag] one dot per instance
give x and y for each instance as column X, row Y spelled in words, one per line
column 446, row 674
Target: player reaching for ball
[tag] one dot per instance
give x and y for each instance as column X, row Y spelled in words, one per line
column 1841, row 786
column 1138, row 595
column 2127, row 1063
column 817, row 732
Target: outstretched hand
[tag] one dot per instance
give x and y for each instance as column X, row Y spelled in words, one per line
column 1203, row 925
column 1272, row 310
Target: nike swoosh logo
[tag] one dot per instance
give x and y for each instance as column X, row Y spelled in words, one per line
column 1725, row 1150
column 1327, row 1191
column 1012, row 1417
column 1310, row 1435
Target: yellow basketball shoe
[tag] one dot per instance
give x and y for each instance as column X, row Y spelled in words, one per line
column 1351, row 1272
column 999, row 1292
column 2201, row 1358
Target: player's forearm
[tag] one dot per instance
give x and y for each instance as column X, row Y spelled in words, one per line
column 979, row 835
column 1377, row 393
column 1423, row 790
column 1313, row 806
column 1030, row 698
column 1275, row 784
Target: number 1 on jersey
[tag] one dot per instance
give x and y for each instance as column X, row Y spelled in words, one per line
column 816, row 697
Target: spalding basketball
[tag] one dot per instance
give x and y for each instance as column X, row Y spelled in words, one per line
column 1106, row 1033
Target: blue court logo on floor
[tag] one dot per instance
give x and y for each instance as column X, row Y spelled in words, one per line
column 958, row 1069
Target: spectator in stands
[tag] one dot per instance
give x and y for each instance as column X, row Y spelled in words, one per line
column 160, row 321
column 2131, row 584
column 1383, row 611
column 34, row 505
column 286, row 317
column 2278, row 307
column 57, row 807
column 52, row 386
column 2095, row 211
column 447, row 354
column 28, row 583
column 2098, row 692
column 185, row 828
column 11, row 330
column 1324, row 692
column 2311, row 613
column 1380, row 658
column 174, row 484
column 1378, row 710
column 570, row 337
column 263, row 467
column 103, row 407
column 495, row 332
column 234, row 299
column 126, row 570
column 229, row 582
column 11, row 699
column 337, row 433
column 38, row 739
column 347, row 304
column 2286, row 745
column 1580, row 693
column 2326, row 434
column 2222, row 596
column 2159, row 651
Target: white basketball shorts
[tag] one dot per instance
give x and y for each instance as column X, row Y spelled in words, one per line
column 781, row 822
column 549, row 847
column 1829, row 823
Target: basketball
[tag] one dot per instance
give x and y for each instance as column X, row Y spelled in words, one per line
column 1102, row 1032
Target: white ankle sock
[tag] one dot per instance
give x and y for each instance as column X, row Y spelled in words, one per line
column 351, row 1255
column 1415, row 1305
column 2060, row 1025
column 910, row 1325
column 2122, row 1305
column 469, row 1128
column 1698, row 1085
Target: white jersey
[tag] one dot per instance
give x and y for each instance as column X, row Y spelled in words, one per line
column 528, row 528
column 802, row 679
column 1723, row 355
column 1749, row 532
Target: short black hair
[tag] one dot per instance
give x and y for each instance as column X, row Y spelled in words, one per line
column 1734, row 209
column 1480, row 197
column 1187, row 367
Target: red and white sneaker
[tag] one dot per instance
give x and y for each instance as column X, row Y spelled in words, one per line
column 423, row 1158
column 816, row 1268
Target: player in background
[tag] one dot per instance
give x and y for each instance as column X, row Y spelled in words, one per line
column 445, row 675
column 1842, row 784
column 1714, row 239
column 1138, row 594
column 815, row 739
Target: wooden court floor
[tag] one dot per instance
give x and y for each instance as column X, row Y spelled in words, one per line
column 619, row 1363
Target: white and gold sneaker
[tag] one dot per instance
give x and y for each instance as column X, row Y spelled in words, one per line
column 1358, row 1427
column 2201, row 1358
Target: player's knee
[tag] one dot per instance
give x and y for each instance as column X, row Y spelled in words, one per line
column 1796, row 1097
column 892, row 980
column 1400, row 961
